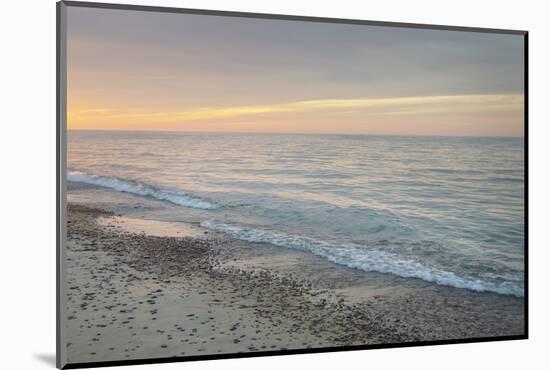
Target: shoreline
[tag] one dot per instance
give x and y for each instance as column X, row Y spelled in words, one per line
column 183, row 305
column 134, row 295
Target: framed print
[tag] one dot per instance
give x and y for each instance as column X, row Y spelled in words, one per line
column 236, row 184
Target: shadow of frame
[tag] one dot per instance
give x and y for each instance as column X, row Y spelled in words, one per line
column 47, row 358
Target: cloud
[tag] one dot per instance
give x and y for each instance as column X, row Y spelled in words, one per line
column 381, row 106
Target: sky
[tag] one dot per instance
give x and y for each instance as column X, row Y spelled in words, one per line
column 135, row 70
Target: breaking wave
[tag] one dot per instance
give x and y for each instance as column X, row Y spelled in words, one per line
column 126, row 186
column 363, row 258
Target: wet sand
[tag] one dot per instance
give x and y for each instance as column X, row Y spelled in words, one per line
column 133, row 295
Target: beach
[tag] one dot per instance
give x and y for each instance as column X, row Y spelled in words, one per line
column 136, row 291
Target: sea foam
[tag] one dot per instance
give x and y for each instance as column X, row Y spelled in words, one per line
column 178, row 198
column 363, row 258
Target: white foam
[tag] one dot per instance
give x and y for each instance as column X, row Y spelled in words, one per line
column 360, row 257
column 137, row 188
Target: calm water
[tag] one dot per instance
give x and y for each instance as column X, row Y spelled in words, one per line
column 445, row 210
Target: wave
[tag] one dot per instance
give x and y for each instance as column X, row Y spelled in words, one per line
column 454, row 171
column 360, row 257
column 137, row 188
column 506, row 179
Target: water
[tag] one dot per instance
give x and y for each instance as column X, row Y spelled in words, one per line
column 447, row 210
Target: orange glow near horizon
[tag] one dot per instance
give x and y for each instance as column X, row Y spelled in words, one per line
column 391, row 113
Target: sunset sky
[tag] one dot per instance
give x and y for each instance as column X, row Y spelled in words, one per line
column 133, row 70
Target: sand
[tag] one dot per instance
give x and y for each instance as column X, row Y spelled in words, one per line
column 134, row 295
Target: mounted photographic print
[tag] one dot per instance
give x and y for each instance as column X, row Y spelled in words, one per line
column 237, row 184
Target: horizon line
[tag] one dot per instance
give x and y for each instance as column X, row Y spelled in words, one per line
column 296, row 133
